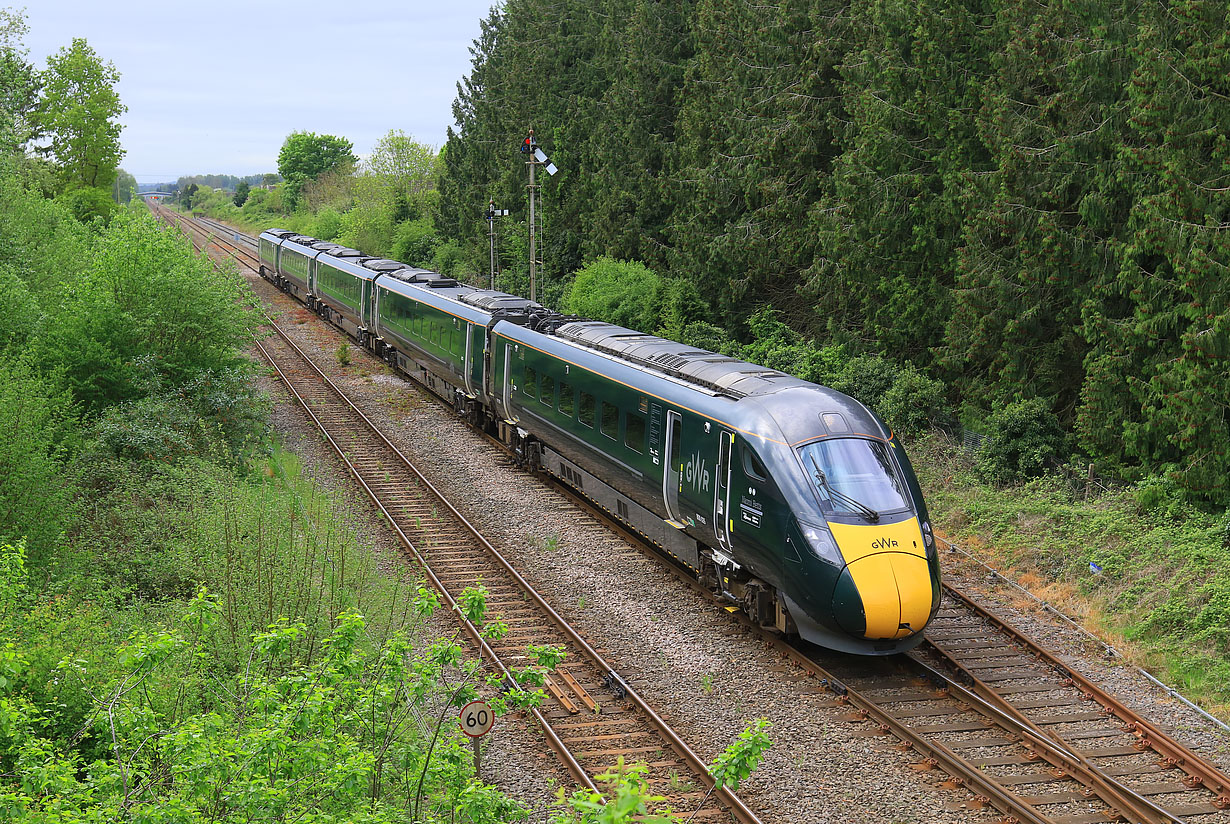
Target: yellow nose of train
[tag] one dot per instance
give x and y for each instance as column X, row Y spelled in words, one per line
column 885, row 591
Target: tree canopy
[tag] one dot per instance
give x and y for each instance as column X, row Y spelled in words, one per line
column 306, row 155
column 79, row 113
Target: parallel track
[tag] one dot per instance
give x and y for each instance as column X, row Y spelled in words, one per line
column 1009, row 722
column 592, row 717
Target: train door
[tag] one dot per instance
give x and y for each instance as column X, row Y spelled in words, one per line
column 721, row 488
column 672, row 472
column 507, row 391
column 467, row 329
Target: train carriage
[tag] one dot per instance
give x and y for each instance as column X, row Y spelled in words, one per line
column 431, row 334
column 295, row 264
column 343, row 290
column 269, row 247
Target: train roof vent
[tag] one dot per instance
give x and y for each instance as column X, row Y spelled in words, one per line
column 279, row 233
column 384, row 265
column 408, row 275
column 545, row 321
column 302, row 240
column 326, row 246
column 493, row 301
column 349, row 254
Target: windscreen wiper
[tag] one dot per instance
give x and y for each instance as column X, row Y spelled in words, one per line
column 837, row 495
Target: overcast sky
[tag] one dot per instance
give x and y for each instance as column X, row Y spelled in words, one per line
column 216, row 87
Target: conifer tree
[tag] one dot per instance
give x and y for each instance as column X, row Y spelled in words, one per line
column 889, row 232
column 1052, row 116
column 756, row 150
column 1159, row 379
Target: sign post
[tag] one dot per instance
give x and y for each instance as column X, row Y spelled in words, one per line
column 477, row 719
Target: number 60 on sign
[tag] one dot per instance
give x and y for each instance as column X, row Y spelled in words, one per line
column 477, row 719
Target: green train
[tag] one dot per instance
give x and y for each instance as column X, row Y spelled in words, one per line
column 789, row 499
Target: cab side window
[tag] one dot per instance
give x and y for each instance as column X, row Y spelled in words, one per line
column 752, row 467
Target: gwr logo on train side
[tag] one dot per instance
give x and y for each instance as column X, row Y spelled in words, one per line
column 883, row 543
column 697, row 473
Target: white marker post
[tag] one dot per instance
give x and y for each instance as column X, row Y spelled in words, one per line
column 477, row 719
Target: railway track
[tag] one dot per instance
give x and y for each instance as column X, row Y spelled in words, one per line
column 593, row 717
column 1008, row 721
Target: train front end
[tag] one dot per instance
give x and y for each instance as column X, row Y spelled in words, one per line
column 860, row 568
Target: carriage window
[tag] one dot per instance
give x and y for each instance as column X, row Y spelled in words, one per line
column 567, row 400
column 586, row 415
column 752, row 467
column 530, row 384
column 634, row 432
column 547, row 395
column 609, row 424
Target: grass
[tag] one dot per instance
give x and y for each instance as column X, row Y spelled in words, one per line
column 1162, row 596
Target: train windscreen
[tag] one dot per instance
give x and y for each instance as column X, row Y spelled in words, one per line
column 854, row 476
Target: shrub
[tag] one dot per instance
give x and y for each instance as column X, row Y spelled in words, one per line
column 705, row 335
column 916, row 403
column 680, row 304
column 415, row 242
column 35, row 421
column 622, row 292
column 215, row 415
column 19, row 311
column 449, row 259
column 89, row 204
column 147, row 299
column 908, row 401
column 1025, row 439
column 328, row 224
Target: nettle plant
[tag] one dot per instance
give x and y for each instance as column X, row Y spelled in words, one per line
column 359, row 733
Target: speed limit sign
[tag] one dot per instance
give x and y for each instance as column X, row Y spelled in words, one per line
column 477, row 719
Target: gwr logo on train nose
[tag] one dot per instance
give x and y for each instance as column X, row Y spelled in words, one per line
column 883, row 543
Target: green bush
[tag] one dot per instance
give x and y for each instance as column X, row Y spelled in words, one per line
column 908, row 401
column 679, row 304
column 147, row 299
column 39, row 238
column 415, row 243
column 215, row 415
column 35, row 425
column 89, row 204
column 707, row 336
column 19, row 312
column 449, row 259
column 1025, row 439
column 328, row 224
column 621, row 292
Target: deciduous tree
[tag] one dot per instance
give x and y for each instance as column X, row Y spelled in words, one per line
column 307, row 155
column 79, row 112
column 19, row 84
